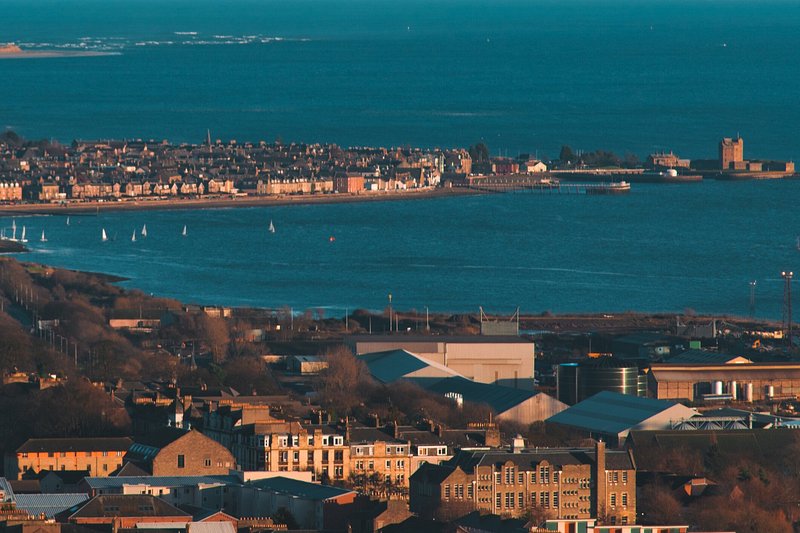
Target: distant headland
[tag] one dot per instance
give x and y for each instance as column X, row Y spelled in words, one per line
column 13, row 51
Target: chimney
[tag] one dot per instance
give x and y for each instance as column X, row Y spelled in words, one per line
column 395, row 429
column 518, row 444
column 491, row 437
column 439, row 430
column 600, row 479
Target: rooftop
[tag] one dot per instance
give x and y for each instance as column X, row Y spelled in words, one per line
column 91, row 444
column 301, row 489
column 613, row 413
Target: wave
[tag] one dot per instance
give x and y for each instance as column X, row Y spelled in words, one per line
column 119, row 44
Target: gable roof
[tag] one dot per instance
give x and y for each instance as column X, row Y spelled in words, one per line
column 113, row 505
column 614, row 413
column 497, row 397
column 391, row 365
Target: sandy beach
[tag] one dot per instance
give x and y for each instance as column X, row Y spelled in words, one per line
column 227, row 202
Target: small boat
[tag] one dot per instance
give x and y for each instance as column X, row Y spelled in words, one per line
column 144, row 230
column 331, row 239
column 13, row 229
column 133, row 237
column 271, row 227
column 43, row 238
column 184, row 230
column 67, row 221
column 104, row 237
column 22, row 238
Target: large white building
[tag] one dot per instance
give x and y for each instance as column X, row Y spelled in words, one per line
column 499, row 360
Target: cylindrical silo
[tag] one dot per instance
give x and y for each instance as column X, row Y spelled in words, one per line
column 567, row 383
column 734, row 393
column 717, row 387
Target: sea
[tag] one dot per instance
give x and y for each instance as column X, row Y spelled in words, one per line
column 522, row 76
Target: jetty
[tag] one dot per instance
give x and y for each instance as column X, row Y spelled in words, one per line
column 522, row 183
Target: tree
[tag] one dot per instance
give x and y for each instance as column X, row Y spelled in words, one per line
column 566, row 155
column 479, row 153
column 339, row 384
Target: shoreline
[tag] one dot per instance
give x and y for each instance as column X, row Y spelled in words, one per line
column 46, row 54
column 221, row 203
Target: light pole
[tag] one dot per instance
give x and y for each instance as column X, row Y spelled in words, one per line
column 752, row 298
column 390, row 312
column 427, row 319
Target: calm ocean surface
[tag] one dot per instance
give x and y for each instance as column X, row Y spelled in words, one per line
column 522, row 75
column 666, row 247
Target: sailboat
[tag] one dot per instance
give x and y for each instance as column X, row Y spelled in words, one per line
column 67, row 221
column 144, row 230
column 184, row 230
column 13, row 229
column 271, row 227
column 133, row 237
column 43, row 239
column 22, row 238
column 104, row 238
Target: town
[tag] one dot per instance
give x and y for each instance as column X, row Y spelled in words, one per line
column 123, row 411
column 157, row 172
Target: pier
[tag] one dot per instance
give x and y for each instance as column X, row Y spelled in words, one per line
column 509, row 184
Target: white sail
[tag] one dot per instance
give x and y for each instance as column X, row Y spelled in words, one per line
column 271, row 227
column 104, row 237
column 144, row 230
column 13, row 229
column 184, row 231
column 133, row 237
column 67, row 221
column 23, row 239
column 43, row 239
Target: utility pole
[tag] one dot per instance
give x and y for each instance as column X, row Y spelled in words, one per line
column 752, row 298
column 787, row 306
column 427, row 319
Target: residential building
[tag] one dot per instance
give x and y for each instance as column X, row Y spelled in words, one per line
column 569, row 483
column 177, row 452
column 101, row 456
column 125, row 511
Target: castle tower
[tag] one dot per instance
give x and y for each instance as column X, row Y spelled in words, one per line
column 731, row 151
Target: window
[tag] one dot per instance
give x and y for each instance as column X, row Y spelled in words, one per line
column 388, row 465
column 372, row 465
column 64, row 454
column 207, row 462
column 447, row 492
column 325, row 456
column 521, row 478
column 555, row 499
column 401, row 464
column 49, row 454
column 509, row 500
column 470, row 491
column 624, row 499
column 613, row 499
column 459, row 490
column 521, row 499
column 105, row 454
column 624, row 476
column 533, row 477
column 105, row 467
column 181, row 461
column 400, row 479
column 498, row 500
column 497, row 478
column 88, row 454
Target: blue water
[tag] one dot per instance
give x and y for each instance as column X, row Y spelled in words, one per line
column 661, row 248
column 522, row 75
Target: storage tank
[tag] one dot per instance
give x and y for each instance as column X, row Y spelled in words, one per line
column 733, row 391
column 717, row 387
column 567, row 383
column 748, row 392
column 608, row 374
column 770, row 391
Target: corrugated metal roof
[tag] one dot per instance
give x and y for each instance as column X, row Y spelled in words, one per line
column 301, row 489
column 48, row 504
column 158, row 481
column 499, row 398
column 392, row 365
column 706, row 358
column 612, row 412
column 5, row 488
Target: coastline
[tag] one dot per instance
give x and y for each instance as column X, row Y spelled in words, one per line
column 43, row 54
column 221, row 203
